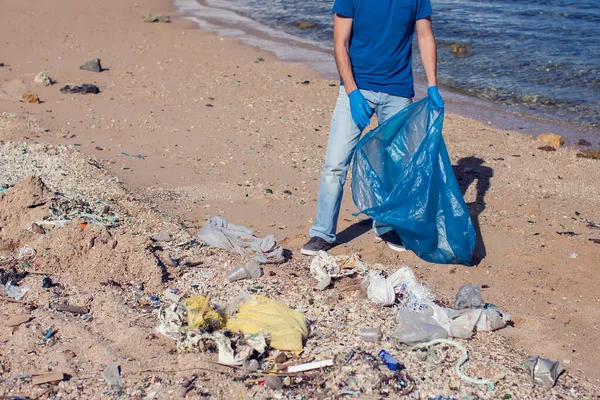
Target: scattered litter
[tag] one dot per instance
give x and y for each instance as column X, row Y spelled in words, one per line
column 71, row 309
column 112, row 375
column 201, row 315
column 250, row 270
column 16, row 292
column 326, row 266
column 219, row 233
column 463, row 359
column 310, row 366
column 568, row 234
column 389, row 360
column 26, row 252
column 156, row 18
column 140, row 156
column 44, row 79
column 401, row 287
column 173, row 294
column 370, row 334
column 84, row 88
column 468, row 296
column 590, row 223
column 30, row 98
column 17, row 320
column 48, row 333
column 257, row 314
column 573, row 255
column 92, row 65
column 47, row 378
column 47, row 283
column 544, row 372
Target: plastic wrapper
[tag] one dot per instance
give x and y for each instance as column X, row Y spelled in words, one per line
column 544, row 372
column 219, row 233
column 468, row 296
column 402, row 176
column 414, row 328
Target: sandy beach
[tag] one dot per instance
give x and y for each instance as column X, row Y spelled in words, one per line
column 227, row 129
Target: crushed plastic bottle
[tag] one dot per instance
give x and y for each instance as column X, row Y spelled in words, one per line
column 389, row 360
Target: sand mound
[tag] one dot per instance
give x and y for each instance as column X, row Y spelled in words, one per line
column 73, row 246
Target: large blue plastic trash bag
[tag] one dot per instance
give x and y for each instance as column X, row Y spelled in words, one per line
column 402, row 176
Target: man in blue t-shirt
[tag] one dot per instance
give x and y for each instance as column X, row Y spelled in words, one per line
column 372, row 46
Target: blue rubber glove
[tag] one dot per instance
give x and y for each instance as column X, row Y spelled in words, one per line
column 435, row 97
column 361, row 112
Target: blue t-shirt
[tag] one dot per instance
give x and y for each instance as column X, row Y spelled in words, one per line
column 381, row 42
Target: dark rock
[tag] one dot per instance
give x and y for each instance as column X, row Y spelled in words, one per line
column 459, row 49
column 37, row 229
column 547, row 148
column 47, row 283
column 583, row 142
column 84, row 88
column 92, row 65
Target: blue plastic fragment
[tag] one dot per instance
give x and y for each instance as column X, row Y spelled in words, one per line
column 402, row 176
column 389, row 360
column 48, row 334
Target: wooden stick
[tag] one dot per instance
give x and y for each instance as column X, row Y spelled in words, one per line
column 8, row 299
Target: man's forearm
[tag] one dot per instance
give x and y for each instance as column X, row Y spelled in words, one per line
column 344, row 66
column 428, row 52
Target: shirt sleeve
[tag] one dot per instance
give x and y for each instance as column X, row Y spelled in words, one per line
column 423, row 9
column 345, row 8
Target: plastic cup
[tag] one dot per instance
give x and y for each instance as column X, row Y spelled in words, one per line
column 253, row 270
column 370, row 334
column 237, row 273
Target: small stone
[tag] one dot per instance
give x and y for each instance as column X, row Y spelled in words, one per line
column 459, row 49
column 280, row 358
column 552, row 139
column 47, row 283
column 92, row 65
column 43, row 78
column 306, row 25
column 583, row 142
column 547, row 148
column 156, row 18
column 274, row 382
column 31, row 98
column 164, row 236
column 37, row 229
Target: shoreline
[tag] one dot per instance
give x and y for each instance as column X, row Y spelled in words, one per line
column 227, row 129
column 289, row 48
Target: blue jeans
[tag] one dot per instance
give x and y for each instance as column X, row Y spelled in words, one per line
column 343, row 136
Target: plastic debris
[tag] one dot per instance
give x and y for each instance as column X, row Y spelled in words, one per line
column 256, row 314
column 463, row 359
column 468, row 296
column 326, row 266
column 15, row 292
column 414, row 328
column 544, row 372
column 141, row 157
column 402, row 176
column 201, row 315
column 170, row 321
column 401, row 287
column 370, row 334
column 173, row 294
column 250, row 270
column 84, row 88
column 310, row 366
column 112, row 375
column 219, row 233
column 389, row 360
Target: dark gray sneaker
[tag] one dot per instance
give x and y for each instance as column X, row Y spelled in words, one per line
column 393, row 241
column 314, row 245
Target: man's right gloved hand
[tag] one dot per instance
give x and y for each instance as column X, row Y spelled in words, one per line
column 361, row 112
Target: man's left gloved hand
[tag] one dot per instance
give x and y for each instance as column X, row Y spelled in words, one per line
column 435, row 97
